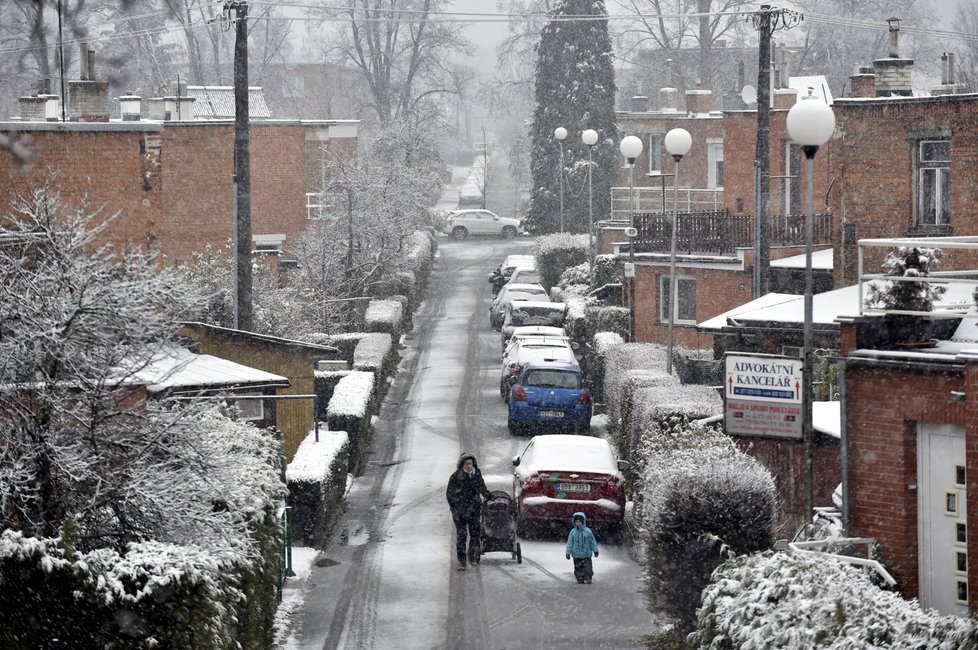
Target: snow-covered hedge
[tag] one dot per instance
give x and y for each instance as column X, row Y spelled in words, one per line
column 384, row 316
column 316, row 479
column 421, row 247
column 556, row 253
column 366, row 351
column 217, row 591
column 618, row 361
column 634, row 407
column 350, row 409
column 326, row 381
column 802, row 600
column 700, row 496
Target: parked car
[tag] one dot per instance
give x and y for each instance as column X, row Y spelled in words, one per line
column 559, row 475
column 463, row 223
column 549, row 395
column 501, row 274
column 528, row 331
column 525, row 275
column 509, row 293
column 532, row 312
column 526, row 350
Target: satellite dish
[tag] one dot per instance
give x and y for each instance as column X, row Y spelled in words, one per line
column 748, row 94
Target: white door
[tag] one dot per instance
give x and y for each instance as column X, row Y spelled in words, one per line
column 943, row 529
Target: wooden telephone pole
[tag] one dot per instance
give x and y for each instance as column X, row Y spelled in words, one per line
column 243, row 312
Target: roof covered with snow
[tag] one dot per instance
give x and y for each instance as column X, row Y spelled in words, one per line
column 217, row 102
column 176, row 368
column 821, row 260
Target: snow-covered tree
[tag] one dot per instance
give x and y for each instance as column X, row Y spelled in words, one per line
column 575, row 89
column 78, row 323
column 907, row 262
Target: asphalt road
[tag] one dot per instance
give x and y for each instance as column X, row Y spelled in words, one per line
column 389, row 579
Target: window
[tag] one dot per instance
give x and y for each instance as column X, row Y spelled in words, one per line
column 934, row 183
column 685, row 307
column 655, row 153
column 251, row 409
column 714, row 157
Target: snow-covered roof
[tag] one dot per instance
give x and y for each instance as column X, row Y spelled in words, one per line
column 821, row 260
column 827, row 307
column 818, row 83
column 827, row 418
column 217, row 102
column 176, row 368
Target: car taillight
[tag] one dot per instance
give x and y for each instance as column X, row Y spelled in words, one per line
column 518, row 394
column 584, row 397
column 451, row 220
column 532, row 482
column 612, row 487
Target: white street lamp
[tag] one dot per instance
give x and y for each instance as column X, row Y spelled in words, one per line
column 631, row 148
column 560, row 133
column 810, row 124
column 678, row 143
column 590, row 138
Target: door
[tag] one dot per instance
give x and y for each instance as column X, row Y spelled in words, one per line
column 943, row 528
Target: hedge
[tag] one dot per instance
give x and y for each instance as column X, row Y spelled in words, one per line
column 794, row 599
column 351, row 409
column 384, row 316
column 316, row 479
column 556, row 253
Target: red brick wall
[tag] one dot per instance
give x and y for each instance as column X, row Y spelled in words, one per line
column 692, row 170
column 882, row 406
column 872, row 165
column 278, row 180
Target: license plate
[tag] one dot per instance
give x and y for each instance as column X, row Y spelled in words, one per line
column 551, row 414
column 573, row 487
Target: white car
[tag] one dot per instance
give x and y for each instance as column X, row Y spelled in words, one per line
column 509, row 293
column 528, row 331
column 532, row 312
column 463, row 223
column 525, row 275
column 535, row 348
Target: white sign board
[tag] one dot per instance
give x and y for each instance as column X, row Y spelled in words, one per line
column 763, row 377
column 763, row 396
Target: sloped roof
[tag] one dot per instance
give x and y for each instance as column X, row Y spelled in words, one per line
column 217, row 102
column 176, row 368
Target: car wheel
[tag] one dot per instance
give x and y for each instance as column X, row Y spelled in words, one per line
column 509, row 232
column 459, row 233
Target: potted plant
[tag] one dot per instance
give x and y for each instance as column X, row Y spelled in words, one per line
column 905, row 296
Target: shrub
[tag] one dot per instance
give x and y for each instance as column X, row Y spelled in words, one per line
column 384, row 316
column 618, row 361
column 557, row 253
column 907, row 262
column 350, row 409
column 316, row 478
column 625, row 434
column 701, row 499
column 600, row 345
column 803, row 600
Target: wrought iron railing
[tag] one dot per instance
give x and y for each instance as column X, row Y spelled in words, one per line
column 717, row 232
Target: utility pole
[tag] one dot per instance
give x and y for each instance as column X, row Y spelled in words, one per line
column 244, row 315
column 766, row 21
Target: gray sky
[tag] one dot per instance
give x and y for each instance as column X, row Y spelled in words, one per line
column 485, row 36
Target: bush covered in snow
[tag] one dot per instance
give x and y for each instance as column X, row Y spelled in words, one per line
column 700, row 498
column 557, row 253
column 365, row 351
column 384, row 316
column 351, row 409
column 634, row 409
column 619, row 360
column 316, row 479
column 804, row 600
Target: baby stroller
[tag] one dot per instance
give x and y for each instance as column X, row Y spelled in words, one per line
column 499, row 525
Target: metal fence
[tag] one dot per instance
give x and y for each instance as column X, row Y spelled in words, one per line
column 660, row 200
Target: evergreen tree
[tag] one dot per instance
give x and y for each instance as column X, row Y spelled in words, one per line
column 575, row 89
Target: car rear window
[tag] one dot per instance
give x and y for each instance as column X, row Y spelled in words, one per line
column 545, row 378
column 525, row 315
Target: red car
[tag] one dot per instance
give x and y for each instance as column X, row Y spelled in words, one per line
column 558, row 475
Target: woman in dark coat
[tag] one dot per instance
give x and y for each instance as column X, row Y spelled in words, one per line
column 465, row 488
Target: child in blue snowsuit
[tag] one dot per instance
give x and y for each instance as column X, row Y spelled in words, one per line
column 580, row 545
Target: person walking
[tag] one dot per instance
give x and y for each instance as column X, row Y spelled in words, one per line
column 581, row 544
column 465, row 489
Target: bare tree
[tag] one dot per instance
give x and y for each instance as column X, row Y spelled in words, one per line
column 966, row 21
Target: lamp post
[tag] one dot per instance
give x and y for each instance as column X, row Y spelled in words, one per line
column 590, row 138
column 678, row 143
column 631, row 148
column 810, row 124
column 560, row 133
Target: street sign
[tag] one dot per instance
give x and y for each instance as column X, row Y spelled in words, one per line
column 763, row 396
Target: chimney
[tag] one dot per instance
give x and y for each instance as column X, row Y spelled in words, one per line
column 667, row 100
column 88, row 99
column 698, row 101
column 784, row 98
column 863, row 83
column 948, row 86
column 130, row 107
column 33, row 108
column 171, row 108
column 639, row 104
column 893, row 73
column 83, row 61
column 782, row 72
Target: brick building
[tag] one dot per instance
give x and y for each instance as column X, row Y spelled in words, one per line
column 168, row 183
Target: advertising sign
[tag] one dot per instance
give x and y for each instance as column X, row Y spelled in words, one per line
column 763, row 396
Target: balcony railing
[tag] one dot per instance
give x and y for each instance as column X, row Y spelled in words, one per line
column 660, row 200
column 720, row 233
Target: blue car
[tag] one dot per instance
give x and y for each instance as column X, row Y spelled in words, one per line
column 550, row 395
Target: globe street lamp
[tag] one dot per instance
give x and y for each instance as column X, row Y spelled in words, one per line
column 810, row 124
column 590, row 138
column 678, row 143
column 631, row 148
column 560, row 133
